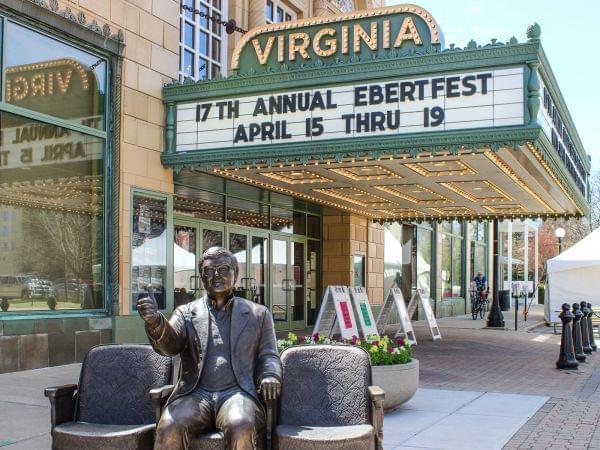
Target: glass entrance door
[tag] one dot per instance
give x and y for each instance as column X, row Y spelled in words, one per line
column 186, row 282
column 251, row 250
column 209, row 236
column 288, row 279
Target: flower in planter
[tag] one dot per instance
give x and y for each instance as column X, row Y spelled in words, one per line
column 382, row 350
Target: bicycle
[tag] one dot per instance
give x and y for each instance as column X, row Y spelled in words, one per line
column 479, row 303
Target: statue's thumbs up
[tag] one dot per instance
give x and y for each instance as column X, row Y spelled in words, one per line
column 148, row 309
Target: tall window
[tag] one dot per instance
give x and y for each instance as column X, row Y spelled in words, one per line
column 276, row 11
column 479, row 248
column 424, row 247
column 51, row 173
column 149, row 248
column 452, row 259
column 203, row 43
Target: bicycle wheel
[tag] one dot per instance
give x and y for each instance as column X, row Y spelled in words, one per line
column 482, row 309
column 474, row 310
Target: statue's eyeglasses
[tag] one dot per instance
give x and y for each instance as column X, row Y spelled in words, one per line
column 222, row 270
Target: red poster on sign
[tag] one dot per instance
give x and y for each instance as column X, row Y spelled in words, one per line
column 346, row 315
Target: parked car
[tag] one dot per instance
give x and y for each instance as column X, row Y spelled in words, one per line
column 25, row 287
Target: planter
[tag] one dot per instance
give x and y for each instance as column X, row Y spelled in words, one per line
column 400, row 382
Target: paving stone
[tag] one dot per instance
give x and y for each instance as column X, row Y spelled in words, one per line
column 519, row 363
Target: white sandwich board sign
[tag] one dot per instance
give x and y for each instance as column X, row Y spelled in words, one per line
column 336, row 309
column 396, row 299
column 417, row 298
column 363, row 310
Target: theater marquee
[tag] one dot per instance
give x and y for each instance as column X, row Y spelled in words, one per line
column 368, row 112
column 453, row 101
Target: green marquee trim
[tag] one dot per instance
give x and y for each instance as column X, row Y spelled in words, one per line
column 397, row 64
column 358, row 70
column 559, row 103
column 374, row 147
column 549, row 155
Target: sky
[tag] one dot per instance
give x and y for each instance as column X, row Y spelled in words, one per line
column 568, row 37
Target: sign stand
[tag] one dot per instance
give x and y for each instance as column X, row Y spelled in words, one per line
column 336, row 305
column 363, row 309
column 426, row 305
column 395, row 298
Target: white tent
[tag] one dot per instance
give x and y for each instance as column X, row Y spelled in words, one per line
column 574, row 276
column 153, row 252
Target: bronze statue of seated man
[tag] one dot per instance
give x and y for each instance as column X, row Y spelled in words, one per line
column 228, row 357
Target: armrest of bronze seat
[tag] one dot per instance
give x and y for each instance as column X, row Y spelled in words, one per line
column 271, row 419
column 62, row 403
column 377, row 396
column 159, row 396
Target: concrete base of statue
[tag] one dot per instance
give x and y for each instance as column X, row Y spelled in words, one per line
column 398, row 381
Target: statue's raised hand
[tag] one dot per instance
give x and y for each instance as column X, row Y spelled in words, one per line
column 148, row 310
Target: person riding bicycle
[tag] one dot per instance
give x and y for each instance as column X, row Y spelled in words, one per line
column 480, row 283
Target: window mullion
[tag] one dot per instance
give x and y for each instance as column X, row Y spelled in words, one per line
column 41, row 117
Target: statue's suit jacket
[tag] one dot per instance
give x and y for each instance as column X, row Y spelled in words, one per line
column 254, row 354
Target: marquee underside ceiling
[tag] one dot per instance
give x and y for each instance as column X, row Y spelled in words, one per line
column 473, row 184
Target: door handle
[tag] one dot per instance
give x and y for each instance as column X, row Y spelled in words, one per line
column 289, row 284
column 195, row 285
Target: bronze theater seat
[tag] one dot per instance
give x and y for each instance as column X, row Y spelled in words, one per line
column 110, row 407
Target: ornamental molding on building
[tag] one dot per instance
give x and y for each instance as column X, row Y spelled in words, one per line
column 372, row 68
column 80, row 18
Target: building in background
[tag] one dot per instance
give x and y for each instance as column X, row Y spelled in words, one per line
column 97, row 203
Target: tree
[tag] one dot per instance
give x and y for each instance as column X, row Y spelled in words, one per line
column 575, row 229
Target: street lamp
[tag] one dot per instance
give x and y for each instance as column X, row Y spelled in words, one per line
column 560, row 234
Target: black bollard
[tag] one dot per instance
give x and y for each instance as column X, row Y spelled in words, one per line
column 577, row 345
column 585, row 334
column 566, row 357
column 591, row 327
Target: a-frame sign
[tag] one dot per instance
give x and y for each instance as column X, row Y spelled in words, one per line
column 396, row 299
column 417, row 298
column 336, row 309
column 363, row 310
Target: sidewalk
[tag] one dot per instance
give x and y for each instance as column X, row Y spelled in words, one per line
column 444, row 419
column 24, row 411
column 535, row 318
column 478, row 389
column 432, row 419
column 520, row 362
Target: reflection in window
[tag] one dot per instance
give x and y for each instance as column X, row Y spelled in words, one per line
column 392, row 256
column 185, row 281
column 51, row 224
column 199, row 204
column 250, row 214
column 424, row 236
column 313, row 281
column 238, row 245
column 285, row 221
column 71, row 85
column 478, row 249
column 359, row 270
column 452, row 260
column 148, row 248
column 313, row 226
